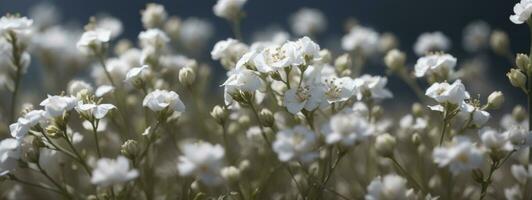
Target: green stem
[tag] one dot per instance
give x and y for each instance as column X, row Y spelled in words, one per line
column 76, row 153
column 104, row 66
column 444, row 124
column 408, row 176
column 94, row 125
column 18, row 74
column 236, row 29
column 529, row 92
column 14, row 178
column 53, row 181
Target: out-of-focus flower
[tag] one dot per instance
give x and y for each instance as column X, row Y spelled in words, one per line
column 93, row 41
column 229, row 9
column 110, row 23
column 430, row 42
column 44, row 14
column 492, row 139
column 461, row 155
column 56, row 105
column 20, row 128
column 518, row 136
column 478, row 116
column 154, row 38
column 388, row 187
column 476, row 36
column 79, row 88
column 513, row 193
column 520, row 173
column 137, row 74
column 15, row 24
column 195, row 33
column 202, row 160
column 103, row 90
column 9, row 155
column 308, row 21
column 159, row 100
column 347, row 128
column 229, row 52
column 522, row 11
column 362, row 39
column 111, row 172
column 297, row 143
column 441, row 65
column 153, row 16
column 244, row 80
column 371, row 87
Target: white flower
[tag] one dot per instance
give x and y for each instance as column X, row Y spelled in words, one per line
column 413, row 123
column 492, row 139
column 56, row 105
column 78, row 87
column 430, row 42
column 361, row 39
column 111, row 172
column 461, row 155
column 307, row 97
column 20, row 128
column 112, row 24
column 159, row 100
column 338, row 89
column 522, row 12
column 229, row 48
column 347, row 128
column 276, row 57
column 195, row 33
column 448, row 93
column 517, row 135
column 513, row 193
column 476, row 36
column 307, row 49
column 520, row 173
column 15, row 24
column 136, row 73
column 102, row 125
column 372, row 86
column 9, row 155
column 154, row 15
column 478, row 116
column 308, row 21
column 93, row 40
column 202, row 160
column 228, row 9
column 389, row 187
column 244, row 80
column 98, row 111
column 103, row 90
column 439, row 64
column 297, row 143
column 154, row 38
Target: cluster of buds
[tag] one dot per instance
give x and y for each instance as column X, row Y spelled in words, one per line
column 518, row 75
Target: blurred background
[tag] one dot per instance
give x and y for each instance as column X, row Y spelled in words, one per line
column 407, row 19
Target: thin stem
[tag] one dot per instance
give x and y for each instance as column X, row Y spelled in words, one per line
column 76, row 153
column 53, row 181
column 104, row 66
column 94, row 125
column 14, row 178
column 236, row 29
column 403, row 74
column 444, row 125
column 18, row 74
column 529, row 92
column 408, row 176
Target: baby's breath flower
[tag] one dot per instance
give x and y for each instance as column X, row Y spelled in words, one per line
column 113, row 171
column 395, row 59
column 57, row 105
column 347, row 128
column 308, row 21
column 159, row 100
column 136, row 76
column 448, row 93
column 307, row 97
column 441, row 65
column 371, row 87
column 20, row 128
column 461, row 155
column 492, row 139
column 385, row 145
column 362, row 39
column 9, row 155
column 229, row 9
column 153, row 16
column 388, row 187
column 522, row 12
column 93, row 41
column 476, row 36
column 15, row 24
column 79, row 88
column 154, row 38
column 431, row 42
column 202, row 160
column 297, row 143
column 94, row 111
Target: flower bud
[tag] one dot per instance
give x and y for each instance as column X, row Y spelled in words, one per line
column 266, row 117
column 130, row 149
column 377, row 112
column 500, row 42
column 325, row 56
column 173, row 27
column 153, row 16
column 387, row 42
column 519, row 113
column 385, row 144
column 522, row 61
column 54, row 131
column 418, row 109
column 244, row 165
column 517, row 78
column 187, row 76
column 343, row 62
column 219, row 113
column 232, row 174
column 495, row 99
column 395, row 59
column 416, row 139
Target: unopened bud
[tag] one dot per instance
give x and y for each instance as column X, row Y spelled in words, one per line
column 519, row 113
column 187, row 76
column 325, row 56
column 232, row 174
column 495, row 100
column 130, row 149
column 522, row 61
column 343, row 62
column 500, row 42
column 377, row 112
column 387, row 42
column 266, row 117
column 418, row 109
column 395, row 59
column 517, row 78
column 54, row 131
column 416, row 139
column 219, row 113
column 385, row 144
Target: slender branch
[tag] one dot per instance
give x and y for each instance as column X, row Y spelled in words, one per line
column 16, row 52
